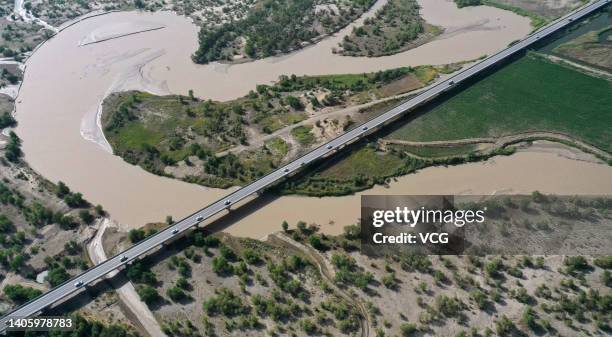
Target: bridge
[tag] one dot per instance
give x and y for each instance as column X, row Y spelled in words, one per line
column 78, row 283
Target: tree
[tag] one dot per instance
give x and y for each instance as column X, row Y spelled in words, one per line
column 6, row 225
column 17, row 262
column 251, row 256
column 138, row 273
column 7, row 120
column 466, row 3
column 228, row 253
column 221, row 266
column 57, row 275
column 71, row 247
column 99, row 210
column 316, row 243
column 294, row 102
column 136, row 235
column 176, row 294
column 576, row 263
column 86, row 216
column 139, row 4
column 20, row 294
column 285, row 226
column 12, row 150
column 62, row 189
column 148, row 294
column 225, row 302
column 75, row 200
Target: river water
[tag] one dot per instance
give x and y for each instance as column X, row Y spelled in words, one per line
column 65, row 82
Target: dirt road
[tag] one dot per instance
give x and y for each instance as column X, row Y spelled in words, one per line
column 127, row 293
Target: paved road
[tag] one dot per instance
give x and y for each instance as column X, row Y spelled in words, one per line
column 75, row 285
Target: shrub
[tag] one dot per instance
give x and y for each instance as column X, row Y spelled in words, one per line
column 138, row 273
column 604, row 262
column 20, row 294
column 251, row 256
column 176, row 294
column 494, row 267
column 148, row 294
column 449, row 307
column 136, row 235
column 57, row 275
column 221, row 266
column 86, row 216
column 226, row 303
column 308, row 326
column 408, row 329
column 504, row 326
column 575, row 263
column 479, row 297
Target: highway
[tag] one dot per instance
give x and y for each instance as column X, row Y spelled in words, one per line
column 76, row 284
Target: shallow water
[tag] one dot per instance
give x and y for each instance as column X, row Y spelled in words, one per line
column 65, row 83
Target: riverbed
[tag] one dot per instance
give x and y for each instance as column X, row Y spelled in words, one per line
column 65, row 82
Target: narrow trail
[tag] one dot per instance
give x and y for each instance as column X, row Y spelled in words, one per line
column 499, row 142
column 587, row 69
column 328, row 272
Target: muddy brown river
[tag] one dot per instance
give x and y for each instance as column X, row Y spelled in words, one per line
column 67, row 78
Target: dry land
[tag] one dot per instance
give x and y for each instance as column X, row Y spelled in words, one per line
column 299, row 282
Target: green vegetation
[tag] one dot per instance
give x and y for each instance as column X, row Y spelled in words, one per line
column 272, row 27
column 148, row 294
column 466, row 3
column 396, row 27
column 408, row 329
column 437, row 151
column 303, row 135
column 20, row 294
column 182, row 136
column 57, row 275
column 226, row 303
column 7, row 120
column 537, row 21
column 593, row 48
column 529, row 94
column 12, row 151
column 357, row 170
column 349, row 273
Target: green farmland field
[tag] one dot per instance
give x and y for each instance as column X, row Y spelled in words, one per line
column 528, row 95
